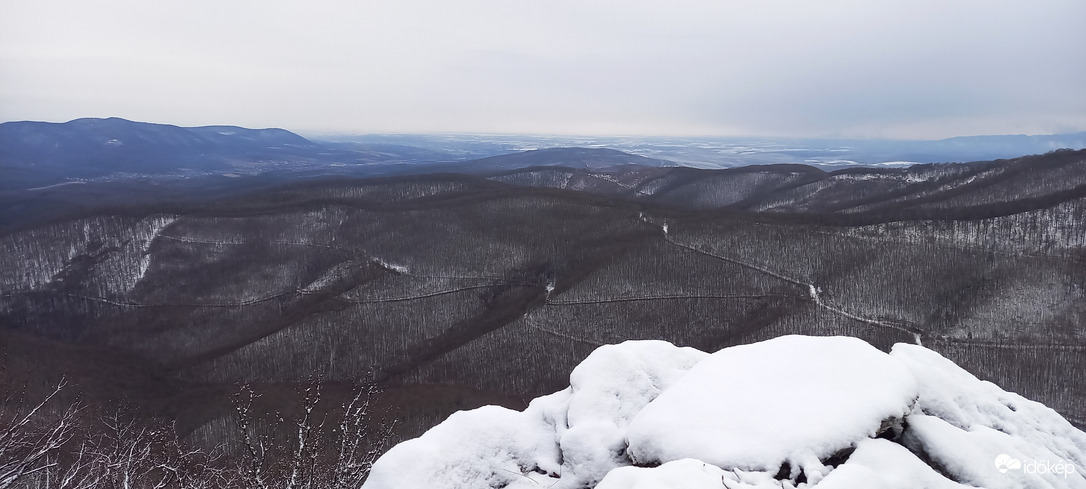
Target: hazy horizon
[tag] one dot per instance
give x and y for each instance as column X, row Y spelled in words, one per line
column 841, row 69
column 331, row 135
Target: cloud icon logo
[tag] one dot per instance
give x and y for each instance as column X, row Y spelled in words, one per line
column 1005, row 462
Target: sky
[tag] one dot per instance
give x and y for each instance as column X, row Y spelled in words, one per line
column 915, row 69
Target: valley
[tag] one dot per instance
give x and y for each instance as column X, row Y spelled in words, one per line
column 490, row 288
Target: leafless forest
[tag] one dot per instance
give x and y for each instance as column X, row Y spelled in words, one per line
column 177, row 344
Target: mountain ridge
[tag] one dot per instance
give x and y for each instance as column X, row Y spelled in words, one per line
column 42, row 154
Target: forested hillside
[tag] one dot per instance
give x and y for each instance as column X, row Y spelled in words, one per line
column 454, row 291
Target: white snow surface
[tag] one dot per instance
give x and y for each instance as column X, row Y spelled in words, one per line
column 794, row 399
column 886, row 465
column 775, row 414
column 687, row 473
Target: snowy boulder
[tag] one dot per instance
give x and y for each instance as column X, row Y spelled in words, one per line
column 608, row 389
column 791, row 402
column 963, row 425
column 791, row 412
column 487, row 447
column 576, row 435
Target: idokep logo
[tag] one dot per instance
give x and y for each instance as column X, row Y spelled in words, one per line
column 1005, row 463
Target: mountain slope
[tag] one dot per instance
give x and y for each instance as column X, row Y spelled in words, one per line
column 40, row 154
column 862, row 194
column 497, row 290
column 86, row 148
column 571, row 158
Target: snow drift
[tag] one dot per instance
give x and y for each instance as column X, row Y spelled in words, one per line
column 792, row 412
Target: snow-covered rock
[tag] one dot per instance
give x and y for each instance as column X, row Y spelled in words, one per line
column 792, row 412
column 577, row 435
column 610, row 388
column 886, row 465
column 487, row 447
column 963, row 424
column 795, row 400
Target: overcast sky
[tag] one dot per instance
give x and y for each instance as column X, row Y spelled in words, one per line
column 854, row 68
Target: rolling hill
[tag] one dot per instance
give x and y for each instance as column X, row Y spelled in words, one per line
column 455, row 290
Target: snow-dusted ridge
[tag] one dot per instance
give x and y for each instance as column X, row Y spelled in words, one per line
column 791, row 412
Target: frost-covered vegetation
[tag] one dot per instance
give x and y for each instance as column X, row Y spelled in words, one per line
column 56, row 441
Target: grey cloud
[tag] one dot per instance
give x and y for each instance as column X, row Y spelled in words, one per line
column 922, row 68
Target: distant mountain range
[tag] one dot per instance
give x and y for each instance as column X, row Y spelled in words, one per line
column 728, row 152
column 39, row 154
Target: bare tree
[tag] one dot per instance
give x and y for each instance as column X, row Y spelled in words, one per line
column 315, row 454
column 360, row 443
column 126, row 451
column 32, row 435
column 192, row 468
column 254, row 470
column 77, row 469
column 49, row 447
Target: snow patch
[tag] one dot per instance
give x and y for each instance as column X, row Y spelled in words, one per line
column 76, row 182
column 331, row 277
column 680, row 474
column 391, row 266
